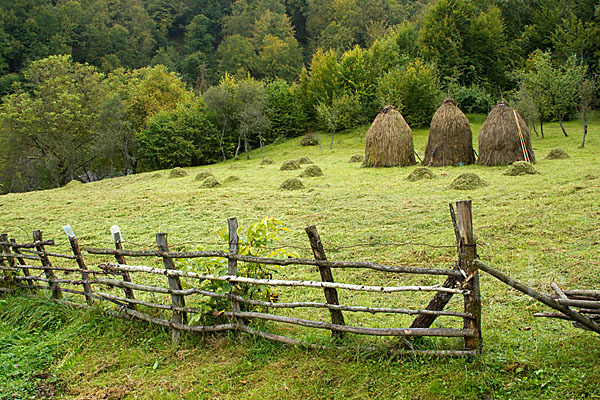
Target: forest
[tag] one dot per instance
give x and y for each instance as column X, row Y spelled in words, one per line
column 96, row 88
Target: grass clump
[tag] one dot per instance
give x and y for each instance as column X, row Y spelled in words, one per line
column 202, row 175
column 304, row 160
column 520, row 168
column 309, row 140
column 420, row 173
column 357, row 158
column 72, row 184
column 292, row 184
column 156, row 175
column 231, row 179
column 266, row 161
column 289, row 165
column 312, row 171
column 210, row 182
column 467, row 181
column 557, row 154
column 177, row 172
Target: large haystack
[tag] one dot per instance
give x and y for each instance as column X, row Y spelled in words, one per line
column 450, row 138
column 502, row 140
column 389, row 141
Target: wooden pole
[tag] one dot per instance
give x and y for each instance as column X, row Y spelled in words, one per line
column 118, row 239
column 85, row 277
column 468, row 253
column 11, row 261
column 54, row 287
column 522, row 139
column 232, row 225
column 22, row 262
column 337, row 318
column 174, row 284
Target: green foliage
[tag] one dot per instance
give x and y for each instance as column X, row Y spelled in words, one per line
column 472, row 99
column 413, row 90
column 179, row 138
column 258, row 240
column 284, row 111
column 323, row 83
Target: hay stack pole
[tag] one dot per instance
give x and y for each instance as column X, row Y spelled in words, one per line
column 521, row 137
column 389, row 141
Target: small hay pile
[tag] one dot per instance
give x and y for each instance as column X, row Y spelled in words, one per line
column 74, row 183
column 289, row 165
column 557, row 154
column 202, row 175
column 177, row 172
column 231, row 179
column 356, row 158
column 389, row 141
column 210, row 182
column 420, row 173
column 292, row 184
column 266, row 161
column 309, row 140
column 156, row 175
column 312, row 171
column 450, row 139
column 502, row 140
column 467, row 181
column 520, row 168
column 304, row 160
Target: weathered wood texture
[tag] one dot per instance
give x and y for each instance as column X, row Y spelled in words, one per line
column 232, row 226
column 174, row 284
column 85, row 276
column 37, row 237
column 126, row 277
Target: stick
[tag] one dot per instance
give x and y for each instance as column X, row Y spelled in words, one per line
column 21, row 262
column 522, row 139
column 117, row 238
column 174, row 284
column 232, row 225
column 87, row 289
column 56, row 292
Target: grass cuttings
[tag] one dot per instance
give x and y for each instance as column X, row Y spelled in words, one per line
column 420, row 173
column 73, row 184
column 210, row 182
column 231, row 179
column 266, row 161
column 202, row 175
column 356, row 158
column 177, row 172
column 312, row 171
column 467, row 181
column 520, row 168
column 292, row 184
column 557, row 154
column 304, row 160
column 290, row 165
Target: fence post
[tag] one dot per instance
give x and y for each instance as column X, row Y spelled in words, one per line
column 85, row 277
column 177, row 300
column 22, row 262
column 118, row 239
column 467, row 253
column 11, row 262
column 54, row 287
column 232, row 225
column 326, row 276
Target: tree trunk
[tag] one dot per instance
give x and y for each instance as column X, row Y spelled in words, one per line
column 319, row 141
column 262, row 150
column 560, row 121
column 221, row 139
column 239, row 145
column 542, row 127
column 535, row 130
column 331, row 144
column 246, row 147
column 584, row 116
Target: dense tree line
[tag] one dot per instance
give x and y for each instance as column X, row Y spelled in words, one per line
column 94, row 88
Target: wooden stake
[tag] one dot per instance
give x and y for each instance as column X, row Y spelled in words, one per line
column 521, row 138
column 85, row 277
column 232, row 225
column 118, row 240
column 21, row 262
column 174, row 284
column 337, row 318
column 54, row 287
column 468, row 253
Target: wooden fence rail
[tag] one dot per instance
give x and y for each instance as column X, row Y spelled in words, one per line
column 462, row 279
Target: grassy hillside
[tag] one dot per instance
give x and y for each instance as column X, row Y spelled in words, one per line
column 538, row 228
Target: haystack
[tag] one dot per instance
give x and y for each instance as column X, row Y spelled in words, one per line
column 450, row 138
column 504, row 138
column 389, row 141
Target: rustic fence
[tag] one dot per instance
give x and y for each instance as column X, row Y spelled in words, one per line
column 93, row 284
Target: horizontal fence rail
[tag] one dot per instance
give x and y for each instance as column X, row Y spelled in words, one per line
column 139, row 299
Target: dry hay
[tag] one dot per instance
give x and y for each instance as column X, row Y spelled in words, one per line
column 420, row 173
column 156, row 175
column 312, row 171
column 177, row 172
column 202, row 175
column 231, row 179
column 304, row 160
column 266, row 161
column 309, row 140
column 289, row 165
column 389, row 141
column 450, row 139
column 467, row 181
column 520, row 168
column 557, row 154
column 210, row 182
column 74, row 183
column 356, row 158
column 292, row 184
column 500, row 139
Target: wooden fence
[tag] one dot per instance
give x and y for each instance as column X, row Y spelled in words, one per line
column 461, row 279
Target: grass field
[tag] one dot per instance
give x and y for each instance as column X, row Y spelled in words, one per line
column 538, row 228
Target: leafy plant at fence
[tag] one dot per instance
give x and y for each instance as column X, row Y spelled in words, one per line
column 258, row 240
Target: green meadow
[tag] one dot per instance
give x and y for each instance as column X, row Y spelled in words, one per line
column 538, row 228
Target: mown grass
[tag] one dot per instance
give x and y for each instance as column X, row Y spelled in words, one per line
column 538, row 228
